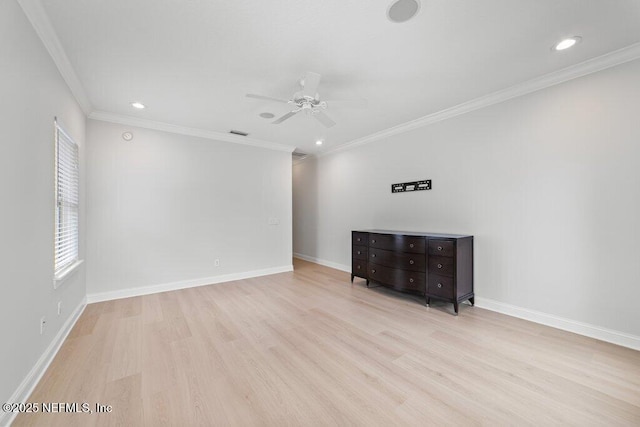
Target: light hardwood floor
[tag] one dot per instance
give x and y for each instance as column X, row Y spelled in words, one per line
column 310, row 348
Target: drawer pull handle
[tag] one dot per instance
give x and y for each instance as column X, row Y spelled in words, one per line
column 439, row 248
column 411, row 261
column 439, row 265
column 373, row 255
column 411, row 280
column 358, row 239
column 358, row 252
column 358, row 267
column 373, row 241
column 373, row 271
column 411, row 245
column 439, row 285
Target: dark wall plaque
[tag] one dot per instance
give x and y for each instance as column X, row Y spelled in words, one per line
column 411, row 186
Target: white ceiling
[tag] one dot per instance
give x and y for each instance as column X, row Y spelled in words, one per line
column 192, row 61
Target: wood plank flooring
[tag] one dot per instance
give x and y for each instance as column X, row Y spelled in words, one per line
column 309, row 348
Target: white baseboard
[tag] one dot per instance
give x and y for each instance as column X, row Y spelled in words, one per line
column 174, row 286
column 592, row 331
column 326, row 263
column 29, row 383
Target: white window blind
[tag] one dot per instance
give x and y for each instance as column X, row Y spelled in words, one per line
column 67, row 202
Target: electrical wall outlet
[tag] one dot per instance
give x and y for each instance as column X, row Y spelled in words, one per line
column 216, row 263
column 42, row 323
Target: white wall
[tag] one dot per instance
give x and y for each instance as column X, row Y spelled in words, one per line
column 32, row 93
column 547, row 183
column 163, row 207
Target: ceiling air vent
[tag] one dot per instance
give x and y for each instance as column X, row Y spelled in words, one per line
column 237, row 132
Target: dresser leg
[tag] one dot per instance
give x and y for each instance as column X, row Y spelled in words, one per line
column 455, row 307
column 428, row 301
column 367, row 282
column 471, row 300
column 352, row 278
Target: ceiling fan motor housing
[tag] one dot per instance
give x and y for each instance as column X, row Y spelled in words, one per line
column 308, row 103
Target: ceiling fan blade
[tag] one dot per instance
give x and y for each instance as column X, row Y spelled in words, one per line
column 285, row 117
column 268, row 98
column 349, row 103
column 311, row 82
column 324, row 119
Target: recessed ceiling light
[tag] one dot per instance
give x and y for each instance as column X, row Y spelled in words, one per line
column 319, row 142
column 403, row 10
column 267, row 115
column 138, row 105
column 567, row 43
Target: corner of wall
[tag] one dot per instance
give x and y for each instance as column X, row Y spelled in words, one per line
column 29, row 383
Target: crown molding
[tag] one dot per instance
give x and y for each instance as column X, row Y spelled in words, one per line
column 36, row 14
column 590, row 66
column 181, row 130
column 42, row 25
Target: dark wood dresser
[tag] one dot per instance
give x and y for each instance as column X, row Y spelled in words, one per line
column 438, row 266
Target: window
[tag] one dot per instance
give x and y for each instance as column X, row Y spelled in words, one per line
column 66, row 247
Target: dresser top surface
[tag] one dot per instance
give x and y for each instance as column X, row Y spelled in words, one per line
column 416, row 233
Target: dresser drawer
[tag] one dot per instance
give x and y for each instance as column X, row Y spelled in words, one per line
column 441, row 247
column 441, row 265
column 359, row 252
column 440, row 286
column 359, row 267
column 396, row 242
column 360, row 239
column 398, row 279
column 403, row 261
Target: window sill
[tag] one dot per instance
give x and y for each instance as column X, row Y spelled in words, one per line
column 58, row 280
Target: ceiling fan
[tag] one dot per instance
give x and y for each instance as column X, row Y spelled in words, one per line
column 306, row 100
